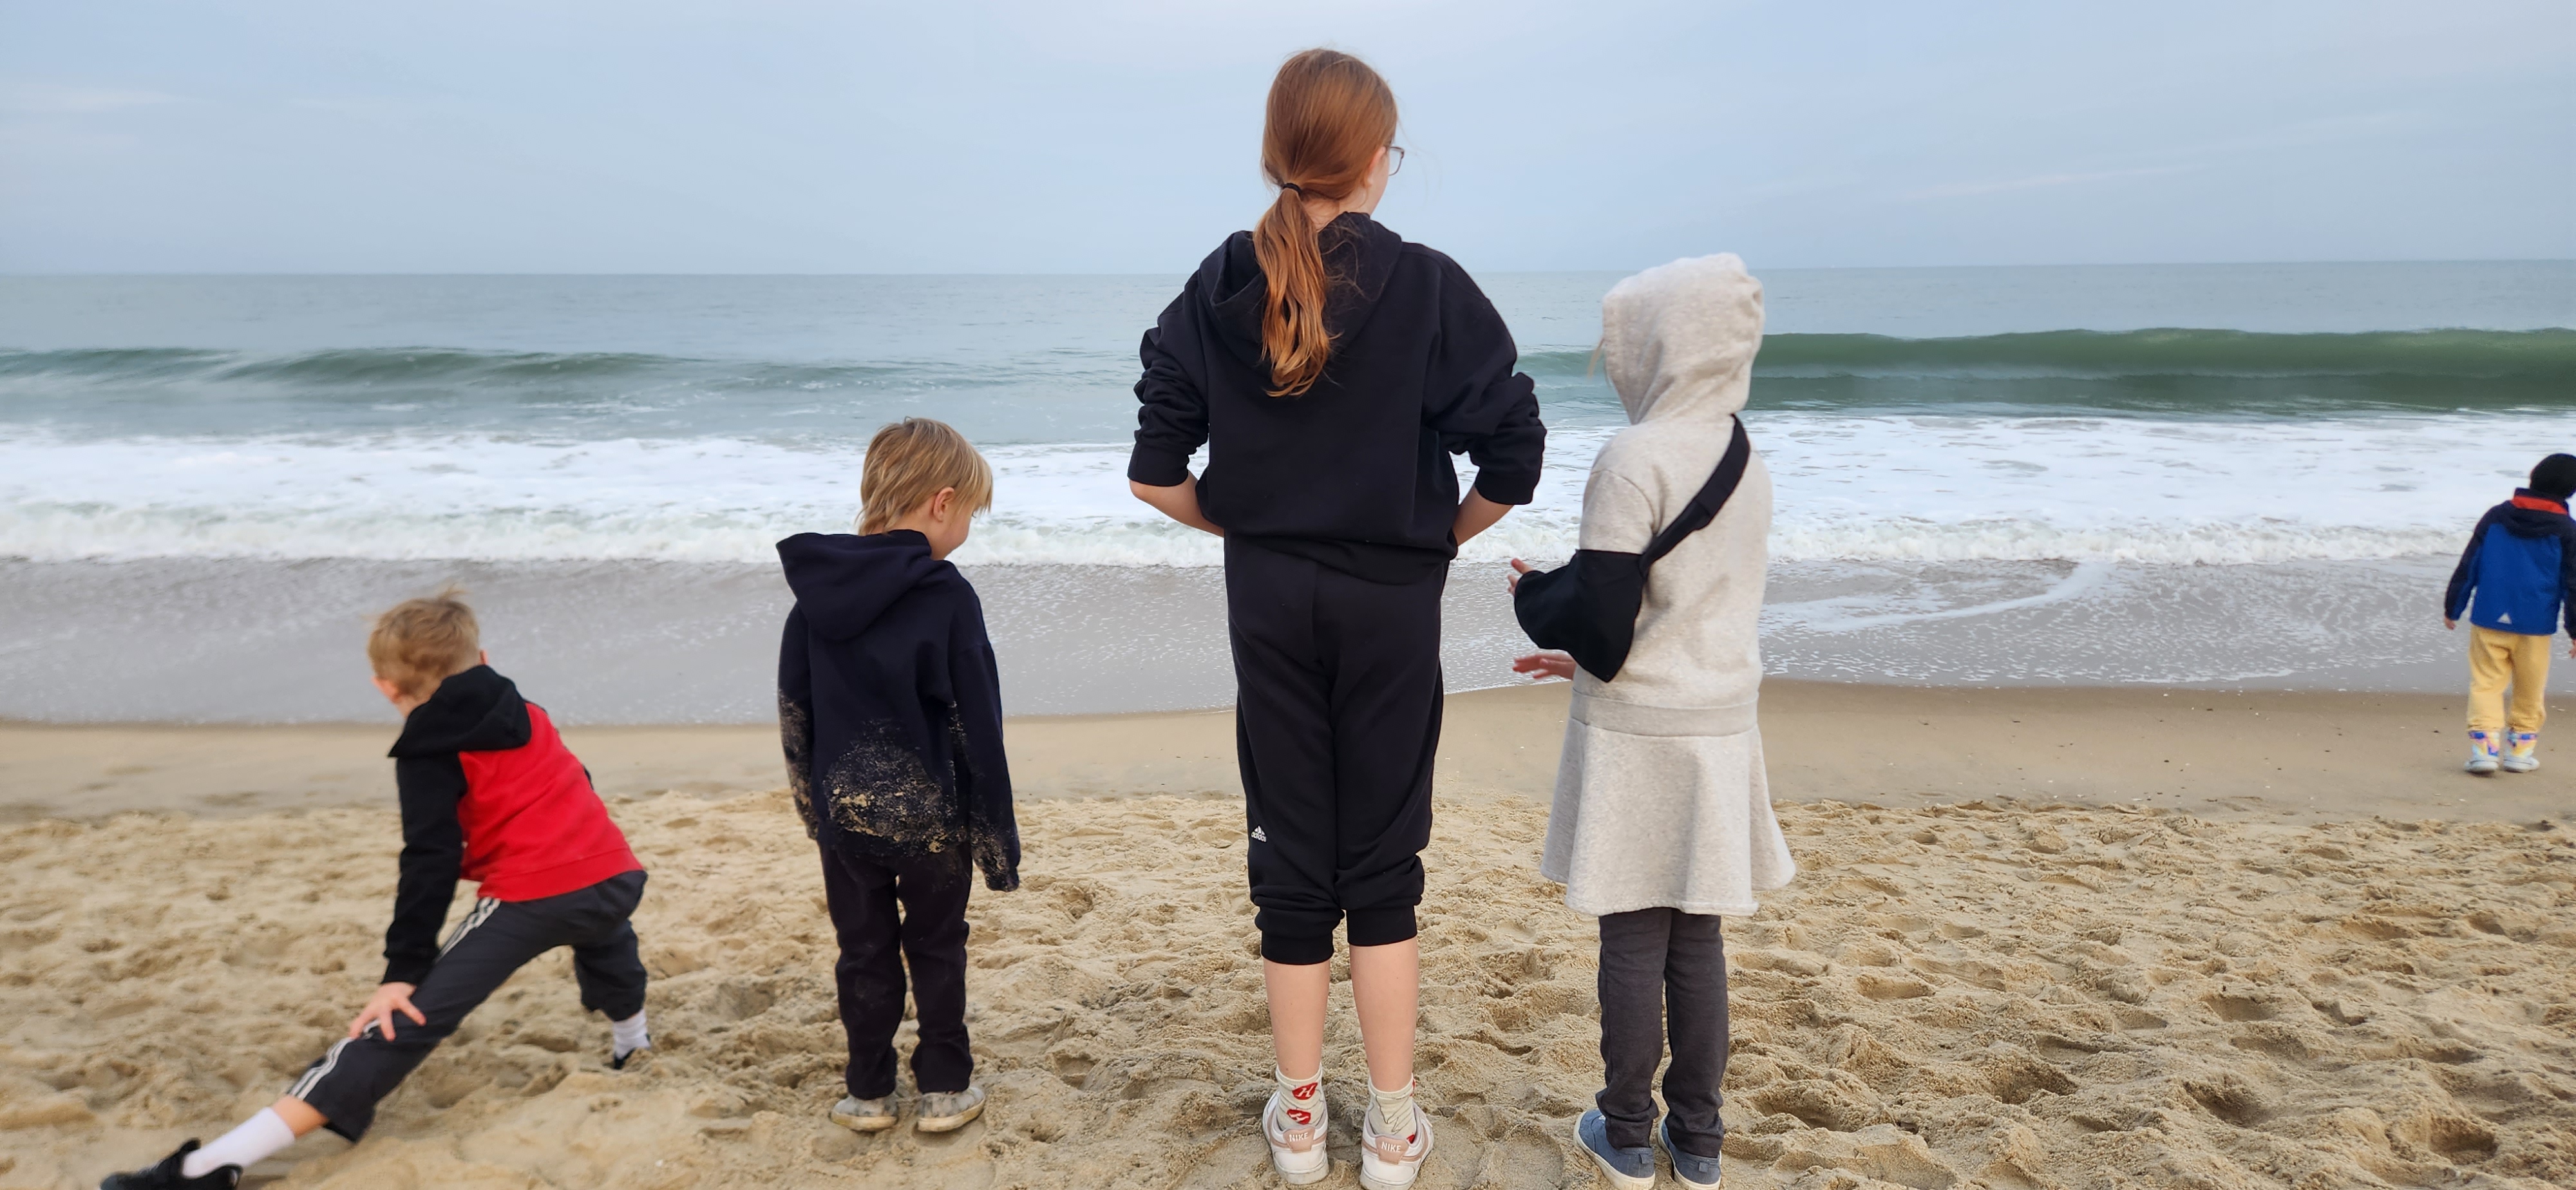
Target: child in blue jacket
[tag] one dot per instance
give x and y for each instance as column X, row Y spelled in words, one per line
column 2520, row 568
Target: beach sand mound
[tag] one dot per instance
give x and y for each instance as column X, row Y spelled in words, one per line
column 2004, row 996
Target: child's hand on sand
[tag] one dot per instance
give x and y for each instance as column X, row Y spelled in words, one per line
column 1542, row 666
column 381, row 1007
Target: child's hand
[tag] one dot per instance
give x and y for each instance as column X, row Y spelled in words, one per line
column 2449, row 623
column 1542, row 666
column 381, row 1007
column 1512, row 583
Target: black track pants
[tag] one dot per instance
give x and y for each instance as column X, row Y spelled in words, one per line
column 481, row 953
column 1337, row 715
column 877, row 943
column 1662, row 966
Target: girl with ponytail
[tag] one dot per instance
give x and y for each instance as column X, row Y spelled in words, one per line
column 1332, row 369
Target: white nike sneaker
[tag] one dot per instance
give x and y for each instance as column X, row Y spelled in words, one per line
column 2522, row 752
column 2482, row 753
column 1294, row 1122
column 1391, row 1159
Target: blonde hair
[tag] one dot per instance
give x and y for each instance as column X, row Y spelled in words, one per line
column 909, row 461
column 419, row 643
column 1329, row 116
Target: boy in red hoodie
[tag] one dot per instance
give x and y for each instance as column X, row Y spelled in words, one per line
column 489, row 794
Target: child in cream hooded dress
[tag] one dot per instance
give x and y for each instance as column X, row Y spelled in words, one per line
column 1662, row 818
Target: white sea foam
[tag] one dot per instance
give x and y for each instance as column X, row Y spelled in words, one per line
column 1922, row 487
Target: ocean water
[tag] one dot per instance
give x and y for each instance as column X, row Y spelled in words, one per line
column 2203, row 474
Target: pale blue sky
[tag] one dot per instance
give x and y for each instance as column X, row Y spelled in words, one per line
column 782, row 136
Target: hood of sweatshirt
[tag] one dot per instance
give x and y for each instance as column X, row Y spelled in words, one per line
column 474, row 711
column 1678, row 339
column 1359, row 257
column 843, row 581
column 2530, row 514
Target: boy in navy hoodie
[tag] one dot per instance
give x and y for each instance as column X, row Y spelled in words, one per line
column 2521, row 568
column 890, row 709
column 489, row 794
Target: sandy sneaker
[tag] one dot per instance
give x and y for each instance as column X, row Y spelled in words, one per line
column 2522, row 753
column 2482, row 753
column 864, row 1115
column 166, row 1176
column 1694, row 1172
column 948, row 1111
column 1293, row 1122
column 1628, row 1169
column 1391, row 1157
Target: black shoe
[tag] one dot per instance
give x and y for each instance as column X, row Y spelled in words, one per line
column 165, row 1176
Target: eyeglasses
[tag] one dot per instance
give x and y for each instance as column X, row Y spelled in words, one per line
column 1394, row 160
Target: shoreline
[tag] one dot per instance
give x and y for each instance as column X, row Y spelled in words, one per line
column 641, row 643
column 2304, row 754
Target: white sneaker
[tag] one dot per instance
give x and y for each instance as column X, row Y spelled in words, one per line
column 948, row 1111
column 1294, row 1123
column 2522, row 753
column 2482, row 753
column 1390, row 1160
column 864, row 1115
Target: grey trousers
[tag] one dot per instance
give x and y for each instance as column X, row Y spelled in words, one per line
column 1660, row 966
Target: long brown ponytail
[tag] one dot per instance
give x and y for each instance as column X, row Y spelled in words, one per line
column 1329, row 114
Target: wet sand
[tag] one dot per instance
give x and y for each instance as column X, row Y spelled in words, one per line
column 2300, row 752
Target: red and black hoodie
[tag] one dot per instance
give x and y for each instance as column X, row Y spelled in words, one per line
column 490, row 794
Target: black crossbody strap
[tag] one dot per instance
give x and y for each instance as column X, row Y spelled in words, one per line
column 1712, row 496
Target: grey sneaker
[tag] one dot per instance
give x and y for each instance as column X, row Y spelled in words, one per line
column 948, row 1111
column 1629, row 1169
column 1695, row 1173
column 864, row 1115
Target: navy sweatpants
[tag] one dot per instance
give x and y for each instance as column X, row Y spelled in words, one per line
column 481, row 954
column 889, row 915
column 1337, row 716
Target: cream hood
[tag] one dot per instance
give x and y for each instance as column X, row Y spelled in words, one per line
column 1678, row 339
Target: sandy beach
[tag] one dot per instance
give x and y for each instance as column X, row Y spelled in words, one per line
column 2114, row 937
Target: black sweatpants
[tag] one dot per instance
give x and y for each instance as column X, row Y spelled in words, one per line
column 1337, row 715
column 877, row 943
column 481, row 953
column 1660, row 965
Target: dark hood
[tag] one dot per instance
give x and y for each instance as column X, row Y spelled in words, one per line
column 2522, row 521
column 1359, row 256
column 475, row 711
column 843, row 581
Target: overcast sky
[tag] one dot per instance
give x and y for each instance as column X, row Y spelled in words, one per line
column 777, row 136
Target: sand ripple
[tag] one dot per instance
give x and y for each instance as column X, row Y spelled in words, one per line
column 1968, row 996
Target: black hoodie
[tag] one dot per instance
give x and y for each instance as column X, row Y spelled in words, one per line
column 1355, row 472
column 890, row 706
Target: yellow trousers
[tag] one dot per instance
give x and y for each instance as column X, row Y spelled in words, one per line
column 2501, row 659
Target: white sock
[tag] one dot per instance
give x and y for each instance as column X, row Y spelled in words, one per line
column 1394, row 1108
column 1305, row 1096
column 245, row 1146
column 627, row 1035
